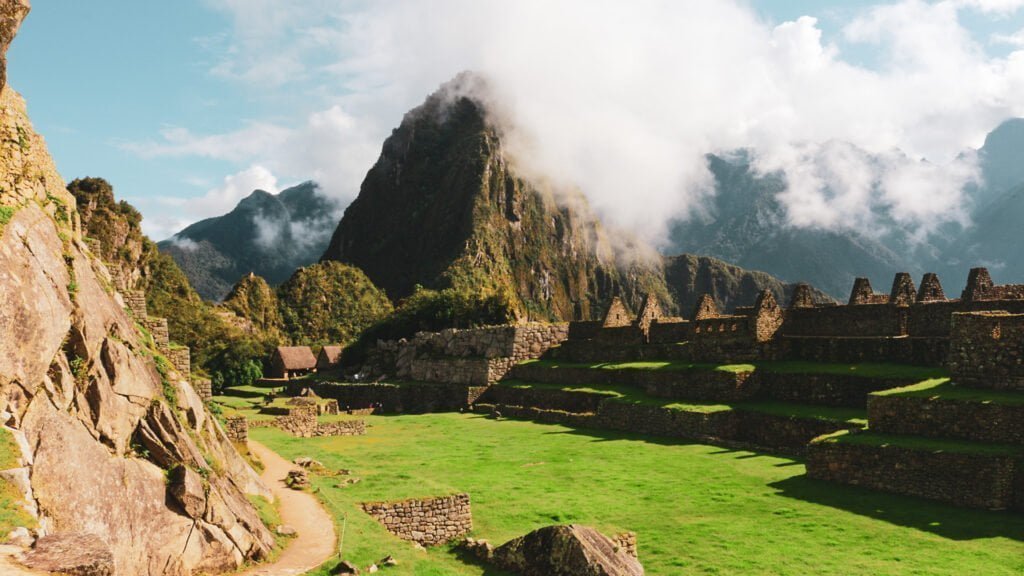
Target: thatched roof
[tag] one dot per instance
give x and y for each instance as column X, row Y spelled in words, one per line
column 329, row 356
column 296, row 357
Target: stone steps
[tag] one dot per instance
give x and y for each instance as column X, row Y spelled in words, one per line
column 975, row 475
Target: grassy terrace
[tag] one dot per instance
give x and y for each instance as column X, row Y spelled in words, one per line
column 924, row 444
column 633, row 395
column 622, row 394
column 865, row 370
column 697, row 509
column 944, row 389
column 666, row 365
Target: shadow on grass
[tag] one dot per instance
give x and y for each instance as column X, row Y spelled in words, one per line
column 937, row 518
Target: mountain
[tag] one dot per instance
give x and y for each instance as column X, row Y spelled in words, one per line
column 993, row 238
column 110, row 445
column 266, row 234
column 445, row 207
column 689, row 276
column 747, row 226
column 1001, row 160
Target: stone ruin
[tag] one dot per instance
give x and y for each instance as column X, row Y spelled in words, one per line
column 908, row 325
column 476, row 357
column 302, row 421
column 426, row 521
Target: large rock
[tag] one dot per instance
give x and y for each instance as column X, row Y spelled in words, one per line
column 101, row 424
column 72, row 554
column 566, row 551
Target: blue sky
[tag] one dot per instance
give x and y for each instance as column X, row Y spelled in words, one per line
column 185, row 106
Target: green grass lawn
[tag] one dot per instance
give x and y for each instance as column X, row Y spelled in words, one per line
column 944, row 389
column 697, row 509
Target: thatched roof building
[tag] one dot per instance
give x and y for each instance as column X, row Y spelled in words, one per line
column 289, row 361
column 329, row 357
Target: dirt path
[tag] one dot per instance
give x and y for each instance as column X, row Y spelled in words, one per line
column 316, row 540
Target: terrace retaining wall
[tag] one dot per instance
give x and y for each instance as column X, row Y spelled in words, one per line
column 824, row 389
column 426, row 521
column 971, row 480
column 939, row 418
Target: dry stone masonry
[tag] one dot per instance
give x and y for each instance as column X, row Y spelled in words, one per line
column 302, row 421
column 237, row 428
column 475, row 357
column 428, row 521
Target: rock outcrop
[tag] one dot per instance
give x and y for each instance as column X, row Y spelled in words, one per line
column 571, row 550
column 99, row 414
column 12, row 12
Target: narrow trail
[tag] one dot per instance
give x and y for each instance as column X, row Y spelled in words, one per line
column 316, row 540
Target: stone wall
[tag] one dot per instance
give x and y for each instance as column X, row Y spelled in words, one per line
column 941, row 418
column 181, row 359
column 478, row 356
column 666, row 332
column 236, row 428
column 158, row 328
column 987, row 350
column 407, row 397
column 203, row 388
column 858, row 320
column 302, row 421
column 426, row 521
column 972, row 480
column 824, row 389
column 782, row 434
column 749, row 428
column 697, row 385
column 846, row 350
column 135, row 301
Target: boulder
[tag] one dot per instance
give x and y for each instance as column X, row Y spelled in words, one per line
column 74, row 554
column 570, row 550
column 186, row 488
column 20, row 536
column 345, row 567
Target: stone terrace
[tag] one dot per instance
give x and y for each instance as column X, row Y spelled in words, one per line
column 804, row 379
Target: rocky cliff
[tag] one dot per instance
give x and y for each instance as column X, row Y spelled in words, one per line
column 445, row 206
column 114, row 443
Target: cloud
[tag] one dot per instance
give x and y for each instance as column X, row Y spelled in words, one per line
column 624, row 100
column 186, row 244
column 999, row 7
column 1015, row 39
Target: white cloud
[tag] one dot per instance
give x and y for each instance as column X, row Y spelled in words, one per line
column 624, row 99
column 235, row 187
column 999, row 7
column 1015, row 39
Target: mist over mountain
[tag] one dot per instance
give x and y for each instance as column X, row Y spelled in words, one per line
column 747, row 222
column 447, row 206
column 269, row 235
